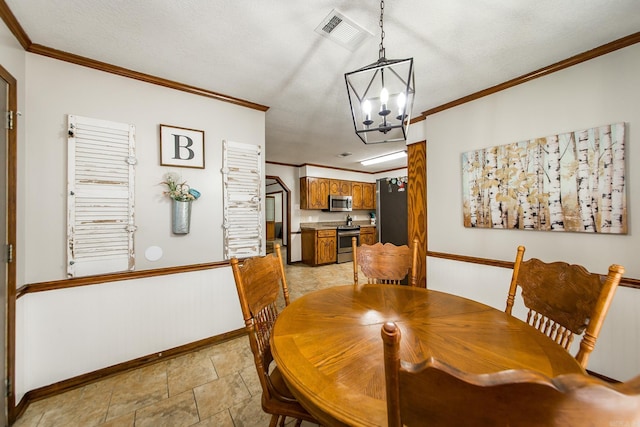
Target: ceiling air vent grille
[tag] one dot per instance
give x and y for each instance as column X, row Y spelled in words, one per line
column 342, row 30
column 332, row 24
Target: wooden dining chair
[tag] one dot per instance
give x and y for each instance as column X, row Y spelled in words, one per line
column 258, row 281
column 435, row 394
column 385, row 264
column 564, row 300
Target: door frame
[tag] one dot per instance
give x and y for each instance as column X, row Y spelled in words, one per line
column 12, row 156
column 288, row 213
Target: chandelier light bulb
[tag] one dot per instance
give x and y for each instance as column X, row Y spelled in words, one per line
column 384, row 98
column 366, row 109
column 402, row 100
column 384, row 95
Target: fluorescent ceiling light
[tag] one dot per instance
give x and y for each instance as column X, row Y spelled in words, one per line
column 385, row 158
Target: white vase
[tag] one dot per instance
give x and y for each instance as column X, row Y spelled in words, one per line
column 180, row 217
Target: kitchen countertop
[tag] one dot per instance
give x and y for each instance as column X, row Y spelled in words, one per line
column 331, row 225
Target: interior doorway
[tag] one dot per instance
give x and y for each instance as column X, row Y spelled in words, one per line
column 271, row 220
column 276, row 189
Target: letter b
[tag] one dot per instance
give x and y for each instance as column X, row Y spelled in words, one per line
column 178, row 149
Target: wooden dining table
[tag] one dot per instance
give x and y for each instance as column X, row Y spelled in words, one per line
column 328, row 347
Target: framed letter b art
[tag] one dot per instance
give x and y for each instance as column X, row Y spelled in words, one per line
column 181, row 147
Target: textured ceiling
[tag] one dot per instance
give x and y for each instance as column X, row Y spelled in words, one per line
column 267, row 52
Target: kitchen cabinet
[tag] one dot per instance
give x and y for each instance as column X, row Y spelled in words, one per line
column 339, row 187
column 367, row 235
column 319, row 246
column 357, row 194
column 364, row 195
column 369, row 195
column 314, row 193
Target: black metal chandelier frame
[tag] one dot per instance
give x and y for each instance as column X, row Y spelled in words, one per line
column 378, row 83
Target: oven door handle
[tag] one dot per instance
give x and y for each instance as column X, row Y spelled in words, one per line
column 349, row 233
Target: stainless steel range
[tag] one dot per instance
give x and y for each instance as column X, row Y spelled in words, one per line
column 345, row 234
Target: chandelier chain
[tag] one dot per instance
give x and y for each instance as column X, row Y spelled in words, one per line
column 381, row 53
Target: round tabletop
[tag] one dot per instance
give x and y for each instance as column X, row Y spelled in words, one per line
column 328, row 346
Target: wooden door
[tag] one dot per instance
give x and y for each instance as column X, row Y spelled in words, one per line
column 269, row 214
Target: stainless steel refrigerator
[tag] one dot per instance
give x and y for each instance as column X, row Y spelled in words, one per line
column 391, row 210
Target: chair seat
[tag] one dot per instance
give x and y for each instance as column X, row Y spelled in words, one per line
column 273, row 405
column 279, row 385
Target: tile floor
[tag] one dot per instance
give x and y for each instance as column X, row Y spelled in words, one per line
column 215, row 386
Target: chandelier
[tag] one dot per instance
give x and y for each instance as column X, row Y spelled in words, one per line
column 381, row 96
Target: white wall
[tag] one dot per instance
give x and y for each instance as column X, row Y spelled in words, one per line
column 73, row 331
column 278, row 207
column 56, row 89
column 60, row 334
column 64, row 333
column 601, row 91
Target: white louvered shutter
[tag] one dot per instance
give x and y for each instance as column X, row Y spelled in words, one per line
column 100, row 204
column 243, row 216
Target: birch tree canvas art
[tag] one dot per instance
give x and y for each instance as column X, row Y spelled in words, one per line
column 569, row 182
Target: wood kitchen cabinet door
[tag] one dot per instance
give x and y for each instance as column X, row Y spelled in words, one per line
column 357, row 195
column 369, row 195
column 364, row 195
column 338, row 187
column 314, row 193
column 319, row 247
column 367, row 235
column 327, row 250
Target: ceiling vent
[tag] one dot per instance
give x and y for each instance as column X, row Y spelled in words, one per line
column 342, row 30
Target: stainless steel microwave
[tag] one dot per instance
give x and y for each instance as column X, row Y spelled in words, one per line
column 340, row 203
